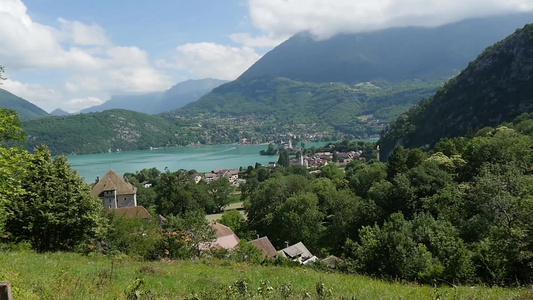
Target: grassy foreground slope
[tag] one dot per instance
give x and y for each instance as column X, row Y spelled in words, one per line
column 71, row 276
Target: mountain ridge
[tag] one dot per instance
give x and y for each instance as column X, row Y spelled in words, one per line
column 24, row 108
column 494, row 88
column 425, row 53
column 157, row 102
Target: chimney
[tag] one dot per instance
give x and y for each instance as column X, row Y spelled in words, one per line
column 97, row 179
column 257, row 236
column 286, row 244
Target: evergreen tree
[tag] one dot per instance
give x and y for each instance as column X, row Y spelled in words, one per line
column 284, row 160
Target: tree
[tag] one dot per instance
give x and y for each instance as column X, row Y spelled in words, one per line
column 423, row 249
column 133, row 236
column 247, row 252
column 178, row 194
column 298, row 219
column 269, row 197
column 10, row 127
column 56, row 211
column 350, row 214
column 220, row 191
column 187, row 234
column 236, row 221
column 364, row 176
column 13, row 161
column 284, row 160
column 13, row 168
column 397, row 162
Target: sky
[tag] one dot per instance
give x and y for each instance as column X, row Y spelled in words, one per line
column 76, row 54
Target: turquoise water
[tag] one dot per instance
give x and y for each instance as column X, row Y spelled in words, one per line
column 200, row 158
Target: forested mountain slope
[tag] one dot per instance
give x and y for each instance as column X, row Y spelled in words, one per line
column 99, row 132
column 494, row 88
column 283, row 101
column 24, row 108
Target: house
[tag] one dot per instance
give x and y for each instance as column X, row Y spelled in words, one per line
column 197, row 178
column 266, row 246
column 226, row 238
column 298, row 252
column 146, row 184
column 232, row 175
column 115, row 191
column 210, row 177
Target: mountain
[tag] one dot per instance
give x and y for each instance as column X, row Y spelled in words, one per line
column 494, row 88
column 59, row 112
column 25, row 109
column 350, row 83
column 394, row 55
column 99, row 132
column 285, row 101
column 157, row 102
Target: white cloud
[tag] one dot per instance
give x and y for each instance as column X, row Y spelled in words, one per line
column 44, row 97
column 49, row 98
column 263, row 41
column 83, row 103
column 92, row 65
column 279, row 18
column 82, row 34
column 212, row 60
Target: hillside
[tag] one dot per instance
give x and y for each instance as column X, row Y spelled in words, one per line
column 59, row 112
column 73, row 276
column 396, row 54
column 99, row 132
column 157, row 102
column 494, row 88
column 286, row 101
column 25, row 109
column 350, row 85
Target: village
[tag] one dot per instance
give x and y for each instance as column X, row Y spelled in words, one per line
column 119, row 196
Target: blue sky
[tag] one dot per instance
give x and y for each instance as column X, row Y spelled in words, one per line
column 76, row 54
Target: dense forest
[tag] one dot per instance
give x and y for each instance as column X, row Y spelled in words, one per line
column 99, row 132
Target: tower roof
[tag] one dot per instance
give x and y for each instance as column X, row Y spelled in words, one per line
column 112, row 181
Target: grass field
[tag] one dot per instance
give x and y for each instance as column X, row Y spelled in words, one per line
column 72, row 276
column 233, row 205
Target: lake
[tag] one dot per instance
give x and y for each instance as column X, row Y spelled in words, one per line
column 200, row 158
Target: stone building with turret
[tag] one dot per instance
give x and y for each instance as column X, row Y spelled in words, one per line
column 115, row 191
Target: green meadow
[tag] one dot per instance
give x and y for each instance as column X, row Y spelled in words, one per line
column 73, row 276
